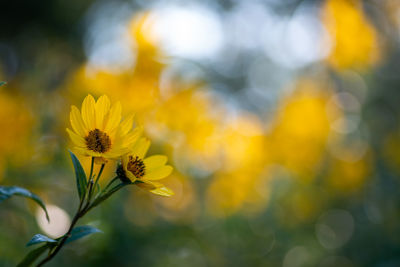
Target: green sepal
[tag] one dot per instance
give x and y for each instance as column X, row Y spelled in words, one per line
column 8, row 191
column 81, row 231
column 81, row 181
column 39, row 238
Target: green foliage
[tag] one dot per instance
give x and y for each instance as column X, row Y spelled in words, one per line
column 81, row 231
column 8, row 191
column 81, row 180
column 76, row 233
column 33, row 255
column 2, row 83
column 39, row 238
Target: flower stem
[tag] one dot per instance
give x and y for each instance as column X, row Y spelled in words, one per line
column 91, row 169
column 63, row 240
column 97, row 180
column 110, row 183
column 79, row 214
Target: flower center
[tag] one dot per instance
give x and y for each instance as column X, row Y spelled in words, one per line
column 98, row 141
column 136, row 167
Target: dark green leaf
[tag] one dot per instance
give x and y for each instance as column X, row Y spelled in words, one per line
column 2, row 83
column 38, row 238
column 32, row 256
column 8, row 191
column 81, row 181
column 81, row 231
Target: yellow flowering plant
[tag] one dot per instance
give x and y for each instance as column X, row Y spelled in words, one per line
column 144, row 172
column 98, row 132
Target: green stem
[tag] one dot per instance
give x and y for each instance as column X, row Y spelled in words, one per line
column 91, row 188
column 63, row 240
column 110, row 183
column 97, row 180
column 83, row 209
column 105, row 197
column 91, row 170
column 90, row 181
column 79, row 214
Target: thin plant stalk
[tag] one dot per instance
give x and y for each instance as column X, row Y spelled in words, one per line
column 82, row 210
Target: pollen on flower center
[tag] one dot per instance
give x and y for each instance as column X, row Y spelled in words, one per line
column 136, row 166
column 98, row 141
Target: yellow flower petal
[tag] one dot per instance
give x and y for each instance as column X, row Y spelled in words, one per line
column 127, row 124
column 114, row 117
column 146, row 185
column 158, row 173
column 155, row 161
column 102, row 108
column 115, row 153
column 81, row 151
column 76, row 122
column 124, row 162
column 155, row 188
column 100, row 160
column 132, row 137
column 141, row 147
column 93, row 153
column 88, row 112
column 162, row 191
column 76, row 139
column 130, row 176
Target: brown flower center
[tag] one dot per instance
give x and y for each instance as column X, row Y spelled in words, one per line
column 136, row 167
column 98, row 141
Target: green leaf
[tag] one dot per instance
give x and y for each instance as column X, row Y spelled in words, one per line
column 81, row 180
column 32, row 256
column 38, row 238
column 81, row 231
column 7, row 191
column 2, row 83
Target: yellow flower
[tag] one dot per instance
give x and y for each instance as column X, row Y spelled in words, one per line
column 345, row 19
column 98, row 130
column 145, row 171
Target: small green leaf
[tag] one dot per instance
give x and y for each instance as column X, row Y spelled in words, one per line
column 38, row 238
column 7, row 191
column 32, row 256
column 81, row 231
column 2, row 83
column 81, row 180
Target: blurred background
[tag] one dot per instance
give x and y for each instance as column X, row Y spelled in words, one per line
column 280, row 117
